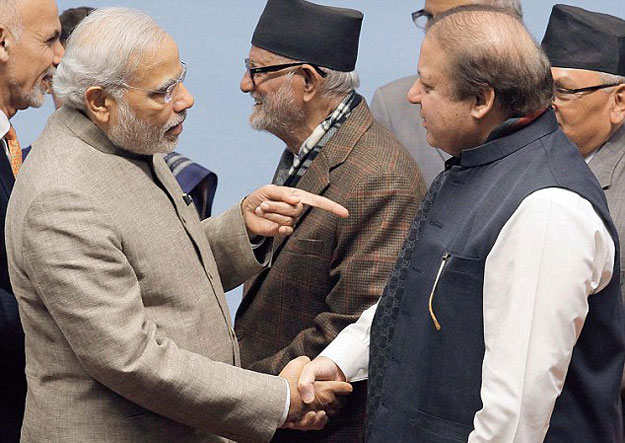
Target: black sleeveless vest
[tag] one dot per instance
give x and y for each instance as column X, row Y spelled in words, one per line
column 425, row 384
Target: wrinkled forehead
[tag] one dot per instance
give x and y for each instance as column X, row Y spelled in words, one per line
column 38, row 16
column 575, row 76
column 262, row 57
column 160, row 56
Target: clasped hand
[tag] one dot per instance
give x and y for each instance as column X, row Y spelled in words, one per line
column 323, row 400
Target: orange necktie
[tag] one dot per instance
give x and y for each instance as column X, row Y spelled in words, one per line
column 15, row 152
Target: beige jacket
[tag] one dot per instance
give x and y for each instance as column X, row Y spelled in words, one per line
column 121, row 294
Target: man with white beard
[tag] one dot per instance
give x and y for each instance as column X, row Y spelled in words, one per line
column 29, row 53
column 120, row 287
column 301, row 75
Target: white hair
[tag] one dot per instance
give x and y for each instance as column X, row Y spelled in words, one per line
column 105, row 50
column 611, row 79
column 338, row 83
column 335, row 83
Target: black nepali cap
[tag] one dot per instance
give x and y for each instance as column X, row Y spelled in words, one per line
column 580, row 39
column 304, row 31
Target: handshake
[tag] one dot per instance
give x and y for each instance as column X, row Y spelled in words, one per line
column 312, row 401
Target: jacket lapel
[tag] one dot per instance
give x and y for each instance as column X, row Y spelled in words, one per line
column 317, row 179
column 83, row 128
column 608, row 157
column 189, row 219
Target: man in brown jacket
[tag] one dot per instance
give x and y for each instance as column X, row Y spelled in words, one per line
column 120, row 286
column 301, row 75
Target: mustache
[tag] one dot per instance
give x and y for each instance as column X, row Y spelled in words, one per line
column 50, row 71
column 179, row 118
column 49, row 77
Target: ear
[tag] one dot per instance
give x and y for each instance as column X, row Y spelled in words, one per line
column 483, row 103
column 5, row 38
column 312, row 81
column 617, row 114
column 99, row 105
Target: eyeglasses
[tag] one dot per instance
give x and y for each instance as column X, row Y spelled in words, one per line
column 273, row 68
column 422, row 19
column 168, row 92
column 566, row 94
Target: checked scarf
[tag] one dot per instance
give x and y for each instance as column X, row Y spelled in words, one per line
column 291, row 169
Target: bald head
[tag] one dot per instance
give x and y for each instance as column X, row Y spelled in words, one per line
column 489, row 48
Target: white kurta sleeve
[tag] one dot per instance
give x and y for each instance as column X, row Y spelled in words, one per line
column 549, row 257
column 350, row 349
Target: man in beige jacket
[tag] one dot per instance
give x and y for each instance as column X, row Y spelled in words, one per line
column 120, row 287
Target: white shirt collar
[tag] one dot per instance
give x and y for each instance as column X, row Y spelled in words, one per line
column 4, row 124
column 590, row 156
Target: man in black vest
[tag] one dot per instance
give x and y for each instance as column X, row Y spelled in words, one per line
column 502, row 320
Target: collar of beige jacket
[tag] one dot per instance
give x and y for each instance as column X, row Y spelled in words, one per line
column 79, row 124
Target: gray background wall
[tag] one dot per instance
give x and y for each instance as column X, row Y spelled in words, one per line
column 213, row 38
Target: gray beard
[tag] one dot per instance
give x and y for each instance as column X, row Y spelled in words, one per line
column 278, row 113
column 35, row 98
column 141, row 137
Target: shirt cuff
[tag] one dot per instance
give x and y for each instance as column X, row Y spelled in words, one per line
column 351, row 355
column 256, row 241
column 287, row 405
column 261, row 247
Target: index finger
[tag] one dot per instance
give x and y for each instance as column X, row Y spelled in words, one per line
column 317, row 201
column 338, row 387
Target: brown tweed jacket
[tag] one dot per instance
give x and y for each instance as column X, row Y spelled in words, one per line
column 331, row 269
column 128, row 335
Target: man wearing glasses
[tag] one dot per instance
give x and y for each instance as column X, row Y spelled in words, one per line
column 587, row 56
column 300, row 74
column 120, row 286
column 195, row 180
column 391, row 108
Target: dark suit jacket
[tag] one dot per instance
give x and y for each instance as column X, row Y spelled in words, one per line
column 331, row 269
column 12, row 378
